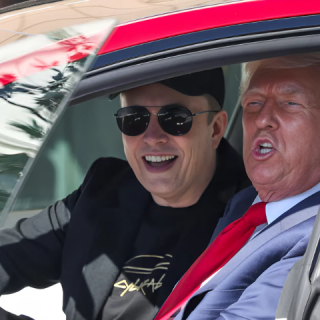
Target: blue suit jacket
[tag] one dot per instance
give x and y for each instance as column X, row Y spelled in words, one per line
column 250, row 284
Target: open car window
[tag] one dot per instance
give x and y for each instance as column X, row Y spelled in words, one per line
column 86, row 132
column 38, row 75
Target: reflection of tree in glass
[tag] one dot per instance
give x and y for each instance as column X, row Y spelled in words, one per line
column 10, row 170
column 3, row 198
column 7, row 93
column 51, row 95
column 46, row 99
column 34, row 131
column 61, row 34
column 9, row 164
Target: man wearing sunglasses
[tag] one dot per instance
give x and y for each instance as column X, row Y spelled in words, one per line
column 121, row 242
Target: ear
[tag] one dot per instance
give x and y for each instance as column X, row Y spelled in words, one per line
column 122, row 99
column 219, row 125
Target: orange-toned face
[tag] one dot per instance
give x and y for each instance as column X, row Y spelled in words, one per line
column 281, row 120
column 175, row 169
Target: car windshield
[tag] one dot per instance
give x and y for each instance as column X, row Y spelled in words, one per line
column 38, row 75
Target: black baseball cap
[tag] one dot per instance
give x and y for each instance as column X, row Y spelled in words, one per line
column 197, row 84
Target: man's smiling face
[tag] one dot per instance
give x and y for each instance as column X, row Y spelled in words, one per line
column 281, row 119
column 175, row 169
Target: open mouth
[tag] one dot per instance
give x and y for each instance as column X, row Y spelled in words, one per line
column 265, row 148
column 159, row 161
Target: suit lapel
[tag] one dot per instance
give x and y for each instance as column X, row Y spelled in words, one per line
column 242, row 207
column 116, row 229
column 291, row 218
column 311, row 201
column 303, row 211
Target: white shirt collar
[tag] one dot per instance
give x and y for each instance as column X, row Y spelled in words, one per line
column 275, row 209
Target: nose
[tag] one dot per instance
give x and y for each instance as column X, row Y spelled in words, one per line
column 266, row 118
column 154, row 135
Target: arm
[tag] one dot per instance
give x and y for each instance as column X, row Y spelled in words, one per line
column 30, row 253
column 260, row 299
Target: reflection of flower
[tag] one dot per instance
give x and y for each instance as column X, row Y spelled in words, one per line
column 79, row 47
column 58, row 53
column 7, row 78
column 43, row 66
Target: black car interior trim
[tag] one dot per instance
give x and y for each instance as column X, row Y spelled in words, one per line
column 153, row 71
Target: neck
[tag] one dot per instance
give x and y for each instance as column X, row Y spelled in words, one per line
column 182, row 202
column 272, row 195
column 184, row 198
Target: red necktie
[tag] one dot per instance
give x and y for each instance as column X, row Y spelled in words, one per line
column 222, row 249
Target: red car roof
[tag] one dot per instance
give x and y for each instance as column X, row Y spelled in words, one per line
column 161, row 27
column 178, row 23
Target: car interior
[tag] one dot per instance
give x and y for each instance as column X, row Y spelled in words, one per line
column 87, row 129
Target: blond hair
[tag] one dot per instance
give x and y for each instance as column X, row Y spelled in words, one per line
column 285, row 62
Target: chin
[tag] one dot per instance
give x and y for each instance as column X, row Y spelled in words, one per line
column 157, row 188
column 268, row 189
column 263, row 177
column 161, row 191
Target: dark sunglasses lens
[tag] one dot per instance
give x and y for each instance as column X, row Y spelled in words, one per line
column 176, row 121
column 133, row 121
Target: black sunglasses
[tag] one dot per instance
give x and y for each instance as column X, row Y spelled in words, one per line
column 174, row 119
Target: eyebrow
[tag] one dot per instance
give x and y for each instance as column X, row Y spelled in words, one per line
column 284, row 89
column 291, row 89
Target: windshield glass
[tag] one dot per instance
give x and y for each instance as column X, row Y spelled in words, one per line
column 37, row 76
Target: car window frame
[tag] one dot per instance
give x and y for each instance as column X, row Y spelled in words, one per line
column 161, row 65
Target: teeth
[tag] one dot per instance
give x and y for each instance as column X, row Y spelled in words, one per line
column 264, row 151
column 266, row 145
column 158, row 158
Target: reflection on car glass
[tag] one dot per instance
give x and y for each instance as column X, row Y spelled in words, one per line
column 35, row 81
column 11, row 5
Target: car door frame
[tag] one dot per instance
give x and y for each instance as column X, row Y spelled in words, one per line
column 139, row 66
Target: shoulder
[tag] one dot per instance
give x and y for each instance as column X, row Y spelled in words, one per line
column 235, row 209
column 108, row 170
column 247, row 194
column 230, row 170
column 241, row 201
column 110, row 165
